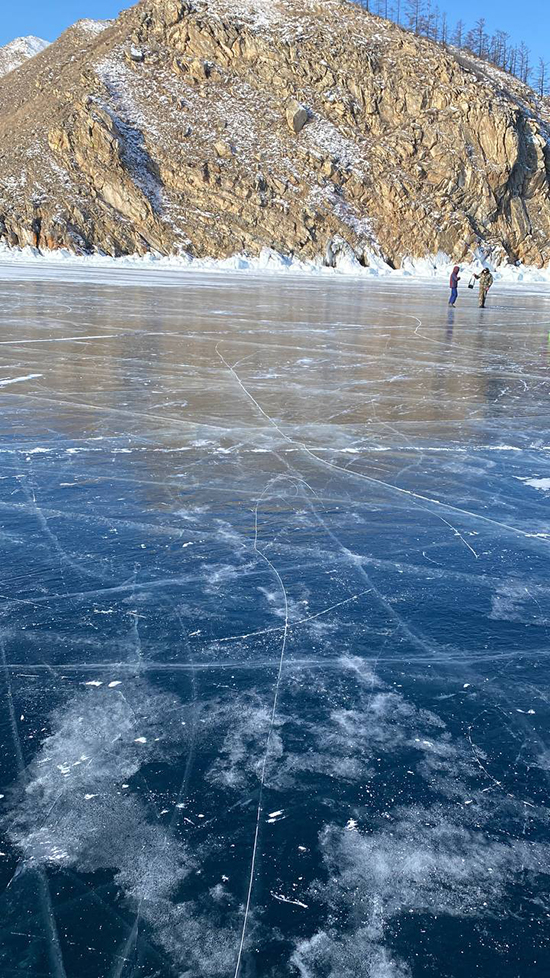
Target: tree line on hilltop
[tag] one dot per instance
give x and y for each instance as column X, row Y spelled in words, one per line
column 427, row 19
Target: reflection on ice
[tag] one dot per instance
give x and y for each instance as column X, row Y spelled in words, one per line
column 274, row 632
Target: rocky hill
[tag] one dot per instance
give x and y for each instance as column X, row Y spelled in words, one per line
column 15, row 53
column 216, row 127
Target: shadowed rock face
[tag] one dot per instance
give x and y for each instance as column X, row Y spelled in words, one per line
column 303, row 125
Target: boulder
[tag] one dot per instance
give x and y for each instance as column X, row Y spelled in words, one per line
column 296, row 116
column 224, row 150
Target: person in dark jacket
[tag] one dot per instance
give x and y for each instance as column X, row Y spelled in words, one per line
column 455, row 279
column 485, row 283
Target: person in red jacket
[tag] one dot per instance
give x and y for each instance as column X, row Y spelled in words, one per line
column 455, row 279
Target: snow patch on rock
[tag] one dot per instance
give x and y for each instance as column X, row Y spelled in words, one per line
column 14, row 54
column 93, row 26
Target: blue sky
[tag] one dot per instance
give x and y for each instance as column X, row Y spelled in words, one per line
column 530, row 22
column 48, row 20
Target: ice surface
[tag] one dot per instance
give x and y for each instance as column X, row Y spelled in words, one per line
column 274, row 643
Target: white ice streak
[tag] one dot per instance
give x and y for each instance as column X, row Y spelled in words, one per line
column 19, row 380
column 271, row 729
column 285, row 899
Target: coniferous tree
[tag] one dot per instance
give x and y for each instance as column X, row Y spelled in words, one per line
column 435, row 24
column 498, row 48
column 542, row 77
column 425, row 18
column 476, row 39
column 421, row 17
column 512, row 60
column 524, row 63
column 458, row 34
column 414, row 10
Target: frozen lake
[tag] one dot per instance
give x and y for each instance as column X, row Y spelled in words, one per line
column 274, row 638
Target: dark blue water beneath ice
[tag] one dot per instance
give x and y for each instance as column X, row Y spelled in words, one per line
column 274, row 629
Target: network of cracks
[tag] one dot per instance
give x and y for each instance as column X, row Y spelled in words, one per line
column 274, row 634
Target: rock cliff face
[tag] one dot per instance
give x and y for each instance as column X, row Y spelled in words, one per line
column 15, row 53
column 308, row 126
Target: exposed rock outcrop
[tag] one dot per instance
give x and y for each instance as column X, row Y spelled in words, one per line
column 308, row 126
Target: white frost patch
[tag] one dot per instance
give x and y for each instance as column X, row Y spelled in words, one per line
column 93, row 682
column 113, row 685
column 426, row 865
column 542, row 484
column 150, row 864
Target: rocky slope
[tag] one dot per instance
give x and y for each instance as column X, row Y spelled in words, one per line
column 217, row 127
column 15, row 53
